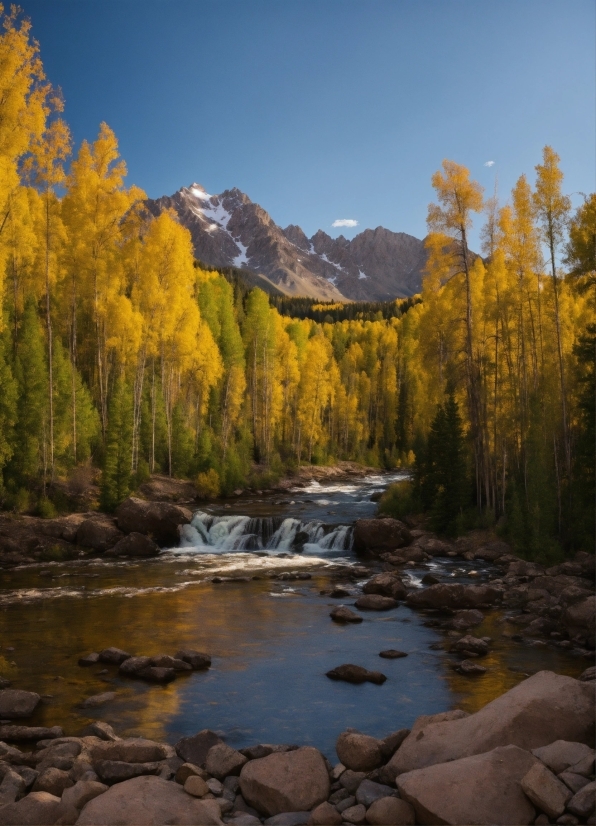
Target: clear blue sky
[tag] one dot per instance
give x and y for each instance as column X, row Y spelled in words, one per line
column 328, row 109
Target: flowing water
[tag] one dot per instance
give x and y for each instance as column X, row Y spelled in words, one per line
column 271, row 639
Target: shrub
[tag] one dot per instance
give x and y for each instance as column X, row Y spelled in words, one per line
column 45, row 508
column 398, row 500
column 208, row 484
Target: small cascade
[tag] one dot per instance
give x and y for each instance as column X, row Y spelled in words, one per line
column 225, row 534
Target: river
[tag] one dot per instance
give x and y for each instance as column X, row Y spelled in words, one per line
column 271, row 639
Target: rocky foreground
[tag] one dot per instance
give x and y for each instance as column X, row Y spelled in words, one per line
column 526, row 757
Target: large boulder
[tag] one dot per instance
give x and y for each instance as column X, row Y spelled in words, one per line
column 136, row 545
column 483, row 789
column 293, row 781
column 62, row 527
column 546, row 791
column 148, row 801
column 15, row 703
column 541, row 709
column 36, row 809
column 194, row 749
column 160, row 520
column 380, row 535
column 387, row 585
column 359, row 752
column 98, row 532
column 453, row 596
column 222, row 760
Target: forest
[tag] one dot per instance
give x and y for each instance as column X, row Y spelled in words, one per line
column 119, row 353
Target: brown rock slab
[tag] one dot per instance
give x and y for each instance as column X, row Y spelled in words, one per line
column 583, row 802
column 390, row 811
column 15, row 703
column 115, row 771
column 562, row 754
column 356, row 674
column 292, row 781
column 375, row 602
column 359, row 752
column 130, row 750
column 542, row 708
column 343, row 614
column 150, row 801
column 545, row 790
column 53, row 781
column 160, row 520
column 23, row 734
column 36, row 809
column 482, row 789
column 222, row 760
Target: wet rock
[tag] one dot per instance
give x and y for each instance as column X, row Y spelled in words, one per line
column 23, row 734
column 222, row 760
column 453, row 596
column 375, row 602
column 387, row 585
column 470, row 646
column 53, row 781
column 467, row 618
column 115, row 771
column 196, row 786
column 100, row 729
column 113, row 656
column 533, row 713
column 165, row 661
column 15, row 703
column 36, row 808
column 380, row 535
column 562, row 754
column 338, row 592
column 153, row 674
column 359, row 752
column 390, row 811
column 99, row 699
column 369, row 791
column 294, row 781
column 194, row 749
column 89, row 659
column 161, row 520
column 12, row 787
column 351, row 780
column 150, row 801
column 98, row 532
column 545, row 790
column 392, row 654
column 430, row 579
column 82, row 792
column 583, row 803
column 135, row 545
column 472, row 790
column 356, row 674
column 324, row 815
column 132, row 666
column 197, row 660
column 469, row 668
column 355, row 814
column 344, row 615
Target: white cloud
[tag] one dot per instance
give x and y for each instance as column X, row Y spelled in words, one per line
column 345, row 222
column 489, row 163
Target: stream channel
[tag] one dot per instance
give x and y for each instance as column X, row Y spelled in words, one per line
column 271, row 640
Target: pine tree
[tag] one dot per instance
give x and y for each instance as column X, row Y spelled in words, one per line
column 117, row 465
column 8, row 408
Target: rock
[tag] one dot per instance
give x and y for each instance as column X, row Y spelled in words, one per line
column 160, row 520
column 391, row 743
column 23, row 734
column 150, row 801
column 453, row 596
column 89, row 659
column 387, row 585
column 244, row 819
column 375, row 602
column 585, row 767
column 583, row 803
column 82, row 792
column 130, row 750
column 288, row 819
column 36, row 809
column 380, row 535
column 467, row 618
column 165, row 661
column 588, row 675
column 53, row 781
column 369, row 791
column 390, row 811
column 530, row 715
column 346, row 803
column 187, row 770
column 12, row 787
column 351, row 780
column 293, row 781
column 356, row 674
column 545, row 791
column 99, row 699
column 135, row 545
column 222, row 760
column 264, row 750
column 392, row 654
column 132, row 666
column 355, row 814
column 194, row 749
column 430, row 579
column 15, row 703
column 115, row 771
column 339, row 795
column 359, row 752
column 469, row 668
column 100, row 729
column 343, row 614
column 573, row 781
column 562, row 754
column 196, row 786
column 153, row 674
column 522, row 568
column 324, row 815
column 472, row 789
column 470, row 646
column 113, row 656
column 196, row 659
column 98, row 532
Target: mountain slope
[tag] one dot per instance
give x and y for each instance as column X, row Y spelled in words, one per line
column 230, row 230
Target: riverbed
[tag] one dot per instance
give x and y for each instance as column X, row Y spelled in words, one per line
column 271, row 640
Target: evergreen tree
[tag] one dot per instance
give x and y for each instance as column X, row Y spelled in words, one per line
column 8, row 407
column 117, row 466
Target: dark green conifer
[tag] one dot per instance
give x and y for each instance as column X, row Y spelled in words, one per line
column 117, row 466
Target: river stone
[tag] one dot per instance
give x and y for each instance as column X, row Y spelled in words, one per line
column 351, row 780
column 452, row 596
column 150, row 801
column 222, row 760
column 36, row 809
column 467, row 618
column 99, row 699
column 472, row 790
column 160, row 520
column 387, row 585
column 114, row 656
column 187, row 770
column 583, row 803
column 545, row 790
column 196, row 786
column 359, row 752
column 390, row 811
column 132, row 665
column 562, row 754
column 154, row 674
column 197, row 660
column 542, row 708
column 355, row 814
column 356, row 674
column 165, row 661
column 342, row 614
column 12, row 786
column 380, row 535
column 53, row 781
column 89, row 659
column 130, row 750
column 293, row 781
column 100, row 729
column 369, row 791
column 15, row 703
column 392, row 654
column 23, row 734
column 375, row 602
column 194, row 749
column 324, row 815
column 82, row 792
column 469, row 646
column 470, row 668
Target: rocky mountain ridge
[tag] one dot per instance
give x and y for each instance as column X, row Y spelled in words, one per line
column 230, row 230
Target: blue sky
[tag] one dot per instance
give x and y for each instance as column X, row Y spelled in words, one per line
column 328, row 109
